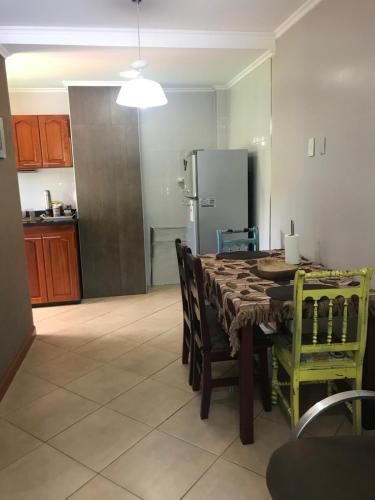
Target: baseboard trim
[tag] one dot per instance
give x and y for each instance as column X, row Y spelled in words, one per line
column 10, row 373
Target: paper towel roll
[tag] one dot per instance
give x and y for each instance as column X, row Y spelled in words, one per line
column 292, row 255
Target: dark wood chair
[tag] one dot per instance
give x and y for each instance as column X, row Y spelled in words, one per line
column 181, row 250
column 211, row 343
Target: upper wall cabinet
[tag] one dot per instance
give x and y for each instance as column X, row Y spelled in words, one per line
column 42, row 141
column 27, row 142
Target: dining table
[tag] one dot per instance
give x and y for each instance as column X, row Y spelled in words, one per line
column 242, row 299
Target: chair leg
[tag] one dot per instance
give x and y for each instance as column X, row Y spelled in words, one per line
column 206, row 387
column 329, row 388
column 275, row 382
column 185, row 348
column 192, row 361
column 265, row 380
column 357, row 408
column 196, row 360
column 294, row 402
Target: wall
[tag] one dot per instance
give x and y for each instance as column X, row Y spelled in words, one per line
column 16, row 323
column 244, row 121
column 60, row 181
column 187, row 122
column 106, row 155
column 323, row 85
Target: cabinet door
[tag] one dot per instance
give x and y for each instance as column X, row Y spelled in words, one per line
column 55, row 140
column 27, row 142
column 61, row 264
column 35, row 268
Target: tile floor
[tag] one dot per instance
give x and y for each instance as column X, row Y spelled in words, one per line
column 101, row 410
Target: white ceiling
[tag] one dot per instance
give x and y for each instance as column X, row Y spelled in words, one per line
column 222, row 15
column 190, row 43
column 48, row 67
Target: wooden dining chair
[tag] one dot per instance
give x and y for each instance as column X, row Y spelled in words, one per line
column 210, row 341
column 181, row 250
column 250, row 241
column 329, row 352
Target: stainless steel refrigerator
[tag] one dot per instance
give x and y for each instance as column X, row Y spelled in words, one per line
column 216, row 195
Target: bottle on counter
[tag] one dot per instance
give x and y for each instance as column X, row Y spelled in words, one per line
column 48, row 202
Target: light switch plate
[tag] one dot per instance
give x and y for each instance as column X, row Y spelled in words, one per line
column 311, row 147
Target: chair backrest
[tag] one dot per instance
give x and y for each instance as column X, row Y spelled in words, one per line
column 227, row 240
column 180, row 251
column 195, row 280
column 330, row 303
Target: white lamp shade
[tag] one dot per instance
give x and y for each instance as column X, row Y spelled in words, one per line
column 141, row 93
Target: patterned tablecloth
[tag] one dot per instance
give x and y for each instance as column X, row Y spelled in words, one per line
column 240, row 298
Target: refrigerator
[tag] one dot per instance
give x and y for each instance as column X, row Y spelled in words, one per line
column 216, row 195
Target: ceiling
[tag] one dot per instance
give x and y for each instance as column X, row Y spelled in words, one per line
column 189, row 43
column 48, row 67
column 222, row 15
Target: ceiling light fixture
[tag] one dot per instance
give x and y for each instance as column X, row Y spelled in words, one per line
column 140, row 92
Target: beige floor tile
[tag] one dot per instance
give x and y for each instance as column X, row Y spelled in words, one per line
column 108, row 322
column 214, row 434
column 24, row 389
column 41, row 352
column 277, row 415
column 145, row 329
column 75, row 336
column 14, row 443
column 65, row 368
column 176, row 374
column 226, row 481
column 100, row 438
column 107, row 348
column 159, row 467
column 100, row 488
column 151, row 402
column 169, row 341
column 145, row 360
column 104, row 383
column 52, row 413
column 268, row 437
column 43, row 474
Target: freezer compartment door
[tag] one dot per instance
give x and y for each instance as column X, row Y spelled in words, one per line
column 192, row 238
column 223, row 194
column 190, row 175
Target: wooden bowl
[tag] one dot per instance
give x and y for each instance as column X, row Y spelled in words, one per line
column 275, row 269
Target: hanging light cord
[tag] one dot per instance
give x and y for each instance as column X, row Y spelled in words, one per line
column 139, row 31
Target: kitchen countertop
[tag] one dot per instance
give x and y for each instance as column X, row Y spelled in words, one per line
column 37, row 221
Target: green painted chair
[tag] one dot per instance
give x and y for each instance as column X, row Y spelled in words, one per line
column 335, row 353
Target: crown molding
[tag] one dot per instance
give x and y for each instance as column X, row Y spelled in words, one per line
column 40, row 90
column 118, row 83
column 108, row 37
column 4, row 51
column 249, row 69
column 295, row 17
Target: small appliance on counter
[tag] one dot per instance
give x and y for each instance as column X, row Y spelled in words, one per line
column 48, row 202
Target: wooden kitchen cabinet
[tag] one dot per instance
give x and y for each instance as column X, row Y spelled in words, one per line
column 55, row 140
column 42, row 141
column 52, row 260
column 27, row 142
column 36, row 269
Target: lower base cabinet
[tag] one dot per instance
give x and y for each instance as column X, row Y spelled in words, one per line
column 52, row 262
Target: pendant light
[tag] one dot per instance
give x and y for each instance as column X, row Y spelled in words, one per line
column 141, row 92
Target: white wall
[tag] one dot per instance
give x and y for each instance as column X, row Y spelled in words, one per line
column 187, row 122
column 323, row 85
column 244, row 121
column 60, row 181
